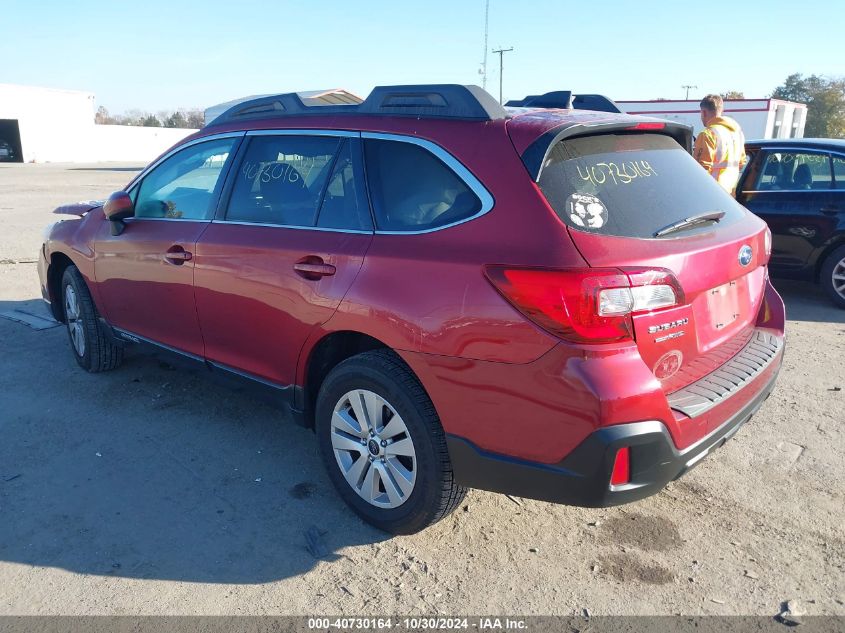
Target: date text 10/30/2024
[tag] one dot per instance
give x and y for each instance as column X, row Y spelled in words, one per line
column 417, row 624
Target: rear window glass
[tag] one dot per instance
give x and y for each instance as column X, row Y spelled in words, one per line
column 629, row 185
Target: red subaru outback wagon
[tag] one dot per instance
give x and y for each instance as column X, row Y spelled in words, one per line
column 555, row 304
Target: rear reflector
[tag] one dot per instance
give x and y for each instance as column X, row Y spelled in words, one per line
column 621, row 467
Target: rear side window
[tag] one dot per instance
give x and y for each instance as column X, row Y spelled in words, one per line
column 281, row 179
column 413, row 190
column 794, row 171
column 344, row 203
column 629, row 185
column 839, row 172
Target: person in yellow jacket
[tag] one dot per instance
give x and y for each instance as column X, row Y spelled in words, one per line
column 720, row 148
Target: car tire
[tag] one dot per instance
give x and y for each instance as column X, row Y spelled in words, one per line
column 833, row 276
column 393, row 467
column 92, row 347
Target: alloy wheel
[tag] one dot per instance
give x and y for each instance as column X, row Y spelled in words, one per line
column 74, row 321
column 373, row 448
column 839, row 278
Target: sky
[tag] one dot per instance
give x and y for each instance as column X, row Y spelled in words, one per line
column 159, row 55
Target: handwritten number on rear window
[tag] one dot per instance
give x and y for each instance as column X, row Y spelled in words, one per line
column 618, row 173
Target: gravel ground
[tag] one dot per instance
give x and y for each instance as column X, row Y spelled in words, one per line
column 149, row 490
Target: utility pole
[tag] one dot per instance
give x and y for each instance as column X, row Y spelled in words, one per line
column 688, row 88
column 484, row 61
column 501, row 53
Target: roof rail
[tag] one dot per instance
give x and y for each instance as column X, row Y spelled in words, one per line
column 566, row 100
column 434, row 101
column 557, row 99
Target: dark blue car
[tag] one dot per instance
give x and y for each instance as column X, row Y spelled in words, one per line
column 7, row 152
column 798, row 187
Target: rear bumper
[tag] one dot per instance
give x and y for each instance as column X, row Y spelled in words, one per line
column 582, row 478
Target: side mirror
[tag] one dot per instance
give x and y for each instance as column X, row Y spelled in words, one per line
column 117, row 208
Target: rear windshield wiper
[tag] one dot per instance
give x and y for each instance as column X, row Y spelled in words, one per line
column 680, row 225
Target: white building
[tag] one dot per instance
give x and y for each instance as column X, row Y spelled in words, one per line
column 759, row 118
column 49, row 125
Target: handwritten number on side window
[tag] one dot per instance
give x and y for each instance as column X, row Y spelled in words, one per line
column 270, row 171
column 820, row 159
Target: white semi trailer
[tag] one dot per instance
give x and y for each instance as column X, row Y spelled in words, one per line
column 759, row 118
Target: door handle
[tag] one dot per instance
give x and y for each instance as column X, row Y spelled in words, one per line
column 313, row 268
column 177, row 255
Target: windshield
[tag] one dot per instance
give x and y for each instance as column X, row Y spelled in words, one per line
column 631, row 185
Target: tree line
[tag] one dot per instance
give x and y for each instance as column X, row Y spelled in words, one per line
column 825, row 99
column 193, row 118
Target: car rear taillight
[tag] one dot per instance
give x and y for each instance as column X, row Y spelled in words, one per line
column 621, row 467
column 586, row 305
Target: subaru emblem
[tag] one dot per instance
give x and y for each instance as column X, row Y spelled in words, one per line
column 745, row 255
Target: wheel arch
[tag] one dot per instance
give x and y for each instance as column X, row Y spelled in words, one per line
column 837, row 242
column 59, row 262
column 328, row 352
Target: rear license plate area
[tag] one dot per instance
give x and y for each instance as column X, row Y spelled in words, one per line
column 724, row 303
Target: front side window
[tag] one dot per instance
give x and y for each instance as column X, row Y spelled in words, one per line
column 413, row 190
column 184, row 185
column 281, row 179
column 794, row 171
column 629, row 185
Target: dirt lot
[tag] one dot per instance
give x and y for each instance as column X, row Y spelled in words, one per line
column 154, row 491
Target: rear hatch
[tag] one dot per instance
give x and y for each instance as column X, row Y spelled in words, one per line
column 635, row 201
